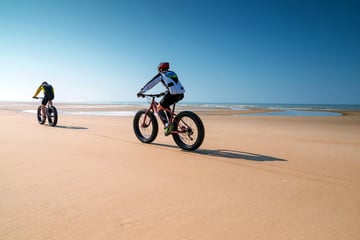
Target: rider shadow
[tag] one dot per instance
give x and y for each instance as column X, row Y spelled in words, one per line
column 232, row 154
column 72, row 127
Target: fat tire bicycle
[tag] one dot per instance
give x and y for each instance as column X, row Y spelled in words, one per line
column 51, row 114
column 188, row 130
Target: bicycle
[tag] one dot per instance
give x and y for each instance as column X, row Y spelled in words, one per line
column 51, row 113
column 188, row 130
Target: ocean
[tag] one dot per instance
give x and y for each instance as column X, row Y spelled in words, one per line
column 279, row 106
column 281, row 109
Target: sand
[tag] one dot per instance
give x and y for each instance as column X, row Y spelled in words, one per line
column 254, row 177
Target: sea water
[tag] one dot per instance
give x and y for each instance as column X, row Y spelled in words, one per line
column 280, row 109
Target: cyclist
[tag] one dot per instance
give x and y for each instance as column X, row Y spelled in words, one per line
column 174, row 93
column 48, row 95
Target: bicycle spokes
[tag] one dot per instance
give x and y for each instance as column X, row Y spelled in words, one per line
column 185, row 129
column 146, row 121
column 145, row 126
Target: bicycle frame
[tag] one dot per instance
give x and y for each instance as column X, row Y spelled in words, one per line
column 49, row 103
column 154, row 108
column 188, row 130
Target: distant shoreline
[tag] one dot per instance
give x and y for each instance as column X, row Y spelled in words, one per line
column 129, row 109
column 214, row 105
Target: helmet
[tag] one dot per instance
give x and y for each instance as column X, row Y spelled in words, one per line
column 163, row 66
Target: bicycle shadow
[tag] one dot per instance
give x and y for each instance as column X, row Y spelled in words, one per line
column 230, row 154
column 234, row 154
column 71, row 127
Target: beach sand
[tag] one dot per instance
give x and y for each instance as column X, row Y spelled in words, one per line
column 254, row 177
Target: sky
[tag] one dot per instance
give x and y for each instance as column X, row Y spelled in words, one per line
column 225, row 51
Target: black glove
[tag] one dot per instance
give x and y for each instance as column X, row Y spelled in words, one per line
column 140, row 94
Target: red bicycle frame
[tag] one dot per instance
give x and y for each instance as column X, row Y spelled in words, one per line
column 154, row 108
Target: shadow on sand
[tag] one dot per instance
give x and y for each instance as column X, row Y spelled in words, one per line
column 72, row 127
column 230, row 154
column 233, row 154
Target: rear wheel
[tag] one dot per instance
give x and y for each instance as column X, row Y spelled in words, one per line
column 52, row 116
column 190, row 131
column 145, row 126
column 41, row 119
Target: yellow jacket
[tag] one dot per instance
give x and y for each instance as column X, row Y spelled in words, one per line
column 41, row 88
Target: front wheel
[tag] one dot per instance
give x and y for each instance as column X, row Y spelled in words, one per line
column 145, row 126
column 52, row 116
column 41, row 119
column 189, row 131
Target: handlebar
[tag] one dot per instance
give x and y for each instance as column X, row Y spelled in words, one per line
column 153, row 95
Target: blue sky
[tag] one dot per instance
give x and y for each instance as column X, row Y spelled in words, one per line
column 223, row 51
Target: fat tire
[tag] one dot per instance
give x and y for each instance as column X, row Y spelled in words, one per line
column 39, row 118
column 52, row 119
column 138, row 118
column 199, row 128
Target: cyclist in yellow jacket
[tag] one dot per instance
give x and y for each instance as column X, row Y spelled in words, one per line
column 49, row 95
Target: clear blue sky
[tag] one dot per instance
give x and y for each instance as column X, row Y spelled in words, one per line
column 223, row 51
